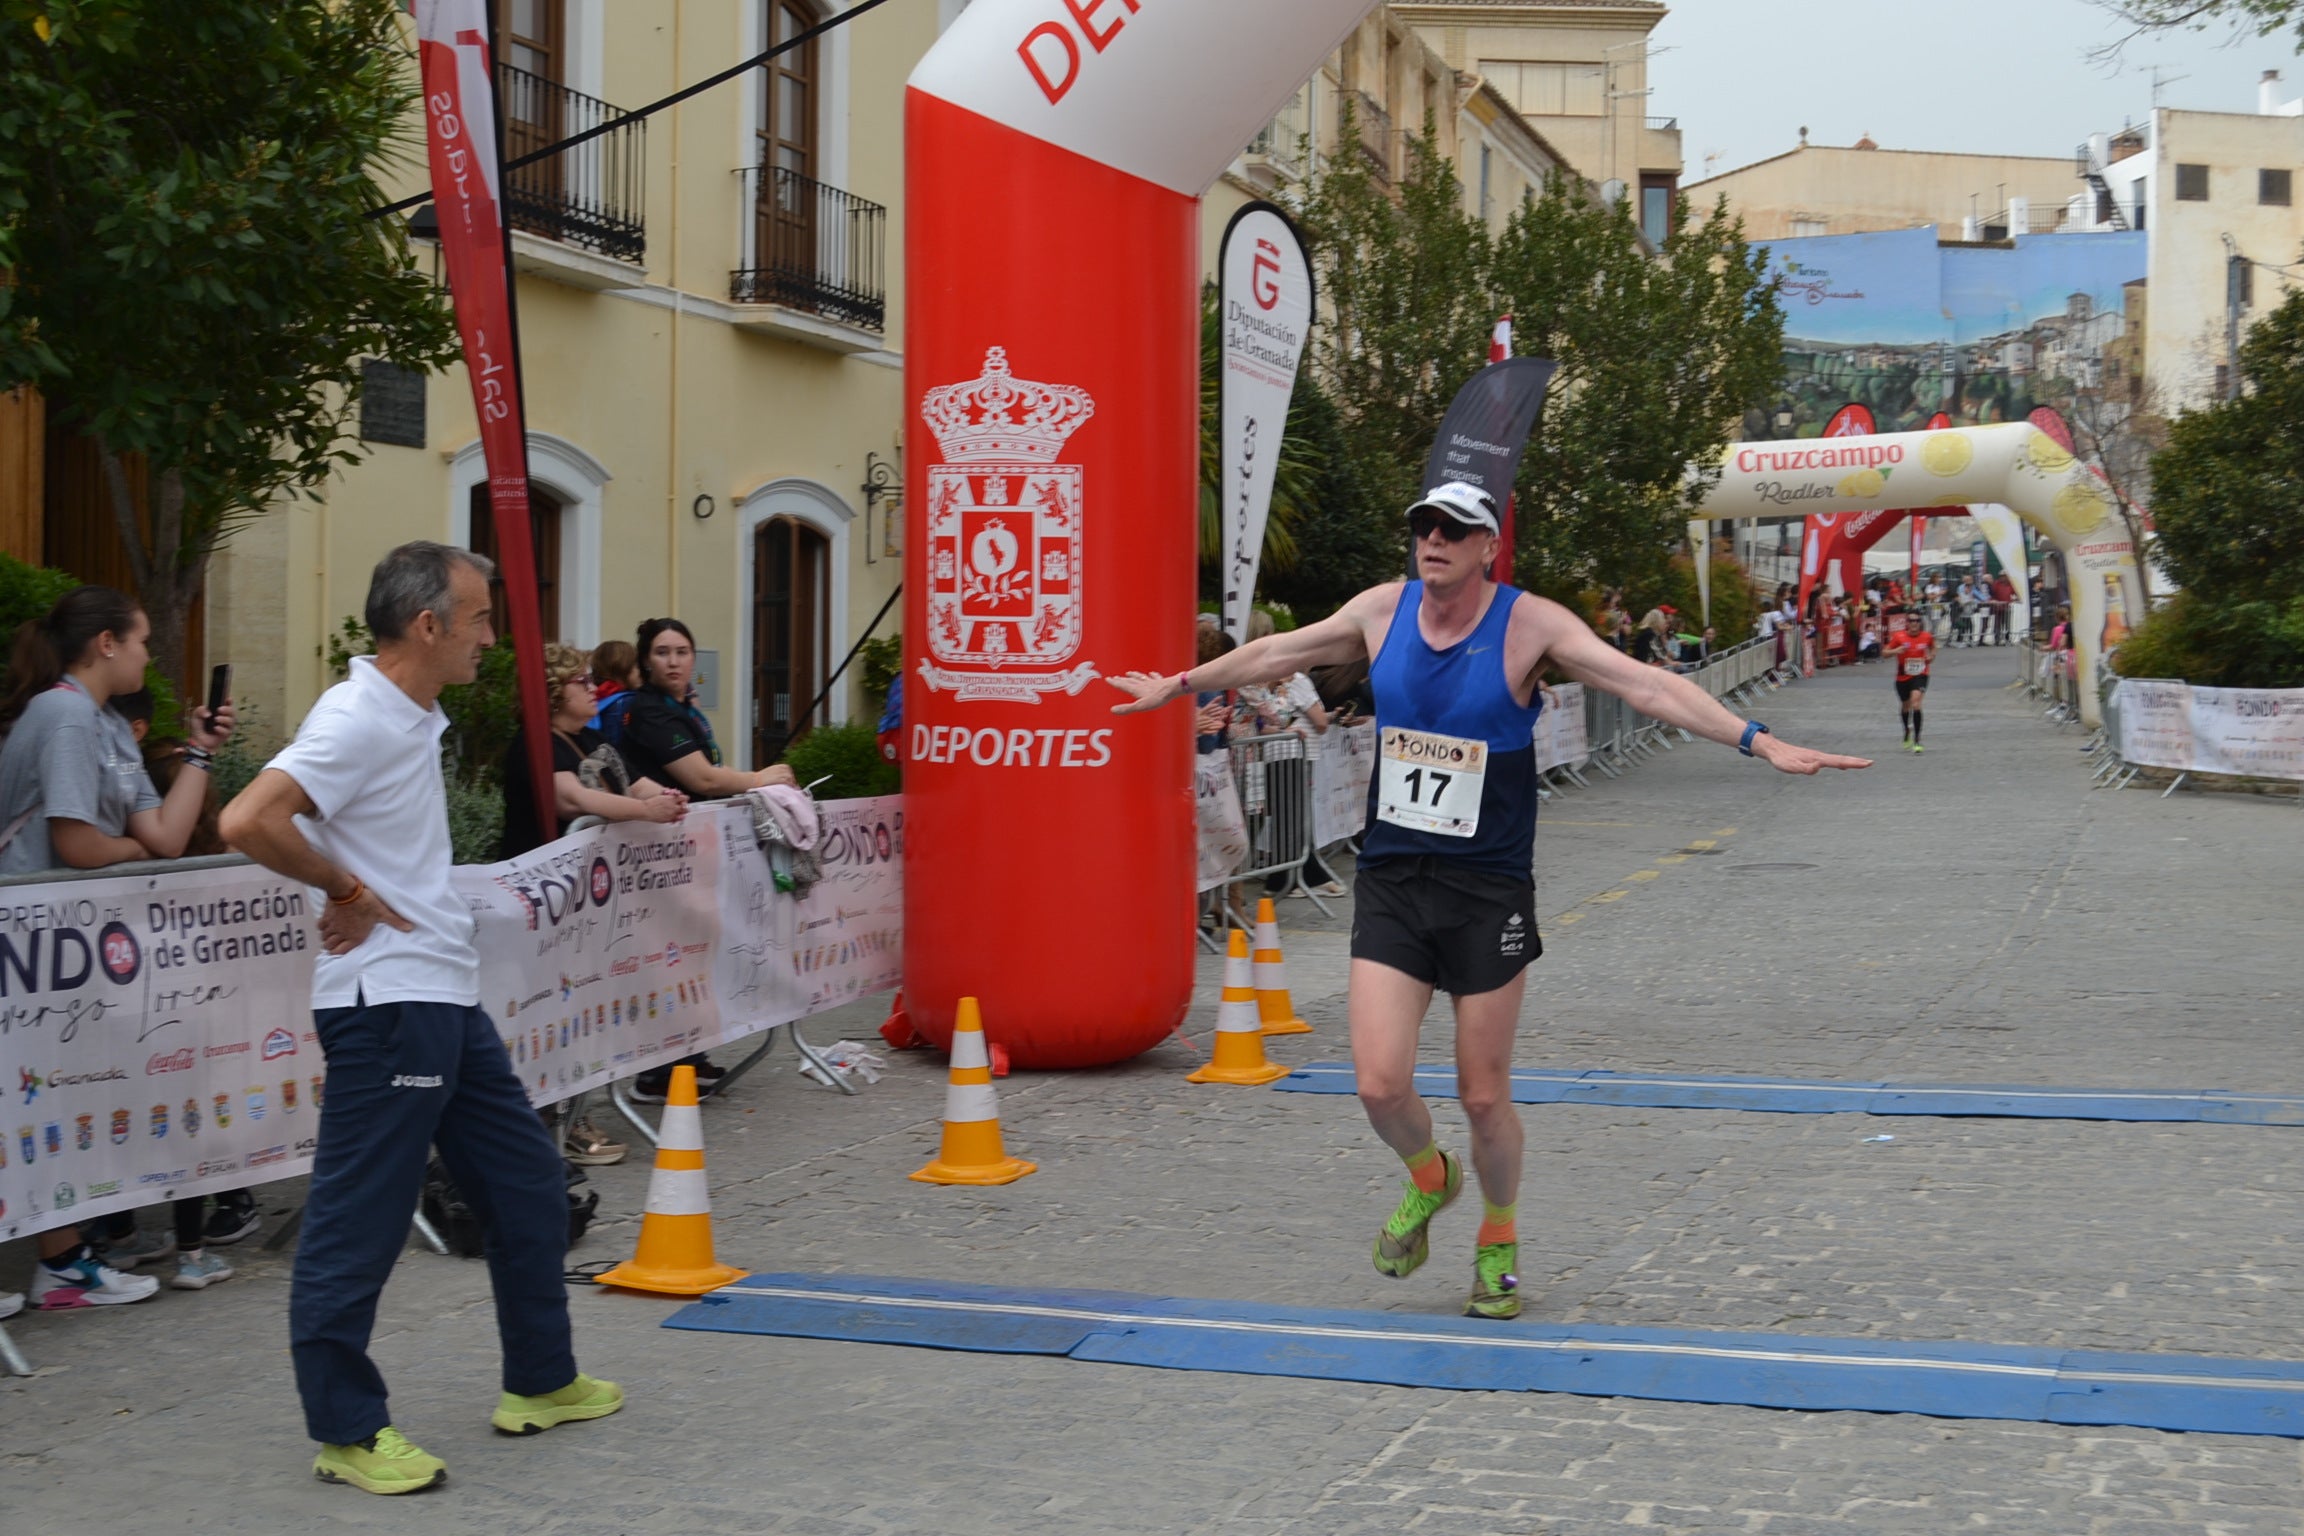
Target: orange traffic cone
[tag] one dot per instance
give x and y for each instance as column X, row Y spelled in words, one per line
column 972, row 1153
column 1239, row 1056
column 1273, row 1004
column 675, row 1253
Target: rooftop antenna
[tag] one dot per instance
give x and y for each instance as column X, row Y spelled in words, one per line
column 2160, row 80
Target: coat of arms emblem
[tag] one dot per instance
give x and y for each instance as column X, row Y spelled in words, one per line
column 1003, row 538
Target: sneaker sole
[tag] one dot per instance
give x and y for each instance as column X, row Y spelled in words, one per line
column 353, row 1480
column 537, row 1423
column 227, row 1239
column 201, row 1284
column 1495, row 1311
column 595, row 1159
column 90, row 1299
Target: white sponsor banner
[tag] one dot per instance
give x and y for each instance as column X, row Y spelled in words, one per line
column 1560, row 736
column 1219, row 819
column 156, row 1034
column 1344, row 761
column 2156, row 723
column 2256, row 732
column 2249, row 732
column 1265, row 317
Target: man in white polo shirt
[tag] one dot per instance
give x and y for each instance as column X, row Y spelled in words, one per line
column 356, row 809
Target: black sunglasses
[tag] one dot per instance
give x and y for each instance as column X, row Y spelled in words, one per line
column 1422, row 523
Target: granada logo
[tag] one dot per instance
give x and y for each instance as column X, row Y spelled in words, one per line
column 170, row 1061
column 120, row 954
column 603, row 883
column 279, row 1043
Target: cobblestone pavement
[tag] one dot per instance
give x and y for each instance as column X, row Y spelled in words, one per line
column 1976, row 914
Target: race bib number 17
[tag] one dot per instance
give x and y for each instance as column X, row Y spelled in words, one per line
column 1430, row 783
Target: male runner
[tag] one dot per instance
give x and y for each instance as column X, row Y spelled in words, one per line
column 1446, row 897
column 1912, row 649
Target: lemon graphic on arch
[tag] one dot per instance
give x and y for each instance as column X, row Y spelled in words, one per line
column 1865, row 482
column 2079, row 509
column 1946, row 453
column 2046, row 456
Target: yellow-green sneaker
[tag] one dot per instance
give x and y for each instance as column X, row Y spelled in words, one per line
column 1495, row 1288
column 583, row 1398
column 1406, row 1242
column 383, row 1463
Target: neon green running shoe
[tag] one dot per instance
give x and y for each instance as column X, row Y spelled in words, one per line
column 383, row 1463
column 1405, row 1243
column 583, row 1398
column 1495, row 1288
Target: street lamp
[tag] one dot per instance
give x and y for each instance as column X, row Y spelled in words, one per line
column 883, row 478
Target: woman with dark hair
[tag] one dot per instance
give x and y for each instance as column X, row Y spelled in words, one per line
column 666, row 737
column 74, row 795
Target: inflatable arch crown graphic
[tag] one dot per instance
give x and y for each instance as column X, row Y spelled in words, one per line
column 2016, row 465
column 1055, row 153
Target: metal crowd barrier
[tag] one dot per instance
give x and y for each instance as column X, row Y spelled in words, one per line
column 1274, row 777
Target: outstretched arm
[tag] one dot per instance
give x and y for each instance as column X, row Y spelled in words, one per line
column 1339, row 637
column 1571, row 646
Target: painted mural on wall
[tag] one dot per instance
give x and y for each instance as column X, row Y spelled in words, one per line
column 1983, row 333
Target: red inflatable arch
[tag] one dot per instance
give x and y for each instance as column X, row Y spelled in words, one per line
column 1055, row 154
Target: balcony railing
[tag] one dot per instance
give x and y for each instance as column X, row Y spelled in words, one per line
column 812, row 248
column 1375, row 133
column 1663, row 124
column 590, row 196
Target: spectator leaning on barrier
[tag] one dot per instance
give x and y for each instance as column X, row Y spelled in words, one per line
column 589, row 776
column 356, row 809
column 667, row 740
column 74, row 795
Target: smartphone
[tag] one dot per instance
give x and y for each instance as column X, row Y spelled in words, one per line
column 219, row 688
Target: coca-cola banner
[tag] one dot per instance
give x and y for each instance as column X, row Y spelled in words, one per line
column 1267, row 301
column 156, row 1032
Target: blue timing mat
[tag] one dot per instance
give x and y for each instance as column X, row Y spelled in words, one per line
column 1798, row 1096
column 1765, row 1370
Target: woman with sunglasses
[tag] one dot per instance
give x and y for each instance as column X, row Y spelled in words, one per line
column 589, row 776
column 1445, row 899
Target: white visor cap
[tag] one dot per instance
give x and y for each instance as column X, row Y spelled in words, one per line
column 1464, row 502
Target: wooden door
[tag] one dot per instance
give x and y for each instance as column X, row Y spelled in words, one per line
column 544, row 518
column 791, row 633
column 784, row 209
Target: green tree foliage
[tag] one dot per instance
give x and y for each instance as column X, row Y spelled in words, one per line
column 187, row 271
column 2228, row 501
column 1659, row 358
column 2260, row 18
column 847, row 758
column 1660, row 355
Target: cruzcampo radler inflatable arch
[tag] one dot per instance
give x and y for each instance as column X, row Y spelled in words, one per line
column 1055, row 153
column 2016, row 465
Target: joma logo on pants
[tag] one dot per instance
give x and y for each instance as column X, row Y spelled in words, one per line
column 410, row 1080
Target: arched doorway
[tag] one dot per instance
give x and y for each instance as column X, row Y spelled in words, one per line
column 791, row 631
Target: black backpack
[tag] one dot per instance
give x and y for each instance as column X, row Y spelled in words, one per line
column 459, row 1225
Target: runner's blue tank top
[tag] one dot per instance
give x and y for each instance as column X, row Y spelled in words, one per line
column 1462, row 691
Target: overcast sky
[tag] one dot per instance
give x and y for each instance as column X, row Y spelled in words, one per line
column 1976, row 76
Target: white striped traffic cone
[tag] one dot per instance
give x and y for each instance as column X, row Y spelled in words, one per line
column 972, row 1152
column 1273, row 1005
column 675, row 1253
column 1239, row 1054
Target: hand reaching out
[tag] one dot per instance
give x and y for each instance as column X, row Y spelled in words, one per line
column 1787, row 758
column 1145, row 690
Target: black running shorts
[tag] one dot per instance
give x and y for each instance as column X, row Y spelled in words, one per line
column 1463, row 930
column 1908, row 686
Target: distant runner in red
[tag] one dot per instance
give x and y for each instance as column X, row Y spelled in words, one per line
column 1912, row 649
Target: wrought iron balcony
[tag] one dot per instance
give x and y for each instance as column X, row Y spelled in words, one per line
column 590, row 196
column 1375, row 133
column 813, row 248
